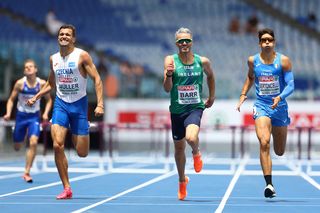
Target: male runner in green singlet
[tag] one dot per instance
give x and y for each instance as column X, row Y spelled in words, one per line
column 183, row 78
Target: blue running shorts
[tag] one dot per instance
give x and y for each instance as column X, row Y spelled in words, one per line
column 72, row 115
column 26, row 121
column 279, row 115
column 179, row 122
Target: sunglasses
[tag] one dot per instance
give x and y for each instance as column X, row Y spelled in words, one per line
column 267, row 39
column 184, row 40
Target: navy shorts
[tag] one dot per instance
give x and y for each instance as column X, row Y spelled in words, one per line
column 179, row 122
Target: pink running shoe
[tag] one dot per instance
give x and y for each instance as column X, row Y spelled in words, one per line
column 66, row 194
column 27, row 178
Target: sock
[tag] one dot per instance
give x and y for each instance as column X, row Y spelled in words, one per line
column 268, row 179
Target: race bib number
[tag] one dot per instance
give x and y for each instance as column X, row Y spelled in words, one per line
column 188, row 94
column 269, row 85
column 67, row 81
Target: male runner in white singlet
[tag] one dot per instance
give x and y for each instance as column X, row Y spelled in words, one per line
column 27, row 117
column 69, row 70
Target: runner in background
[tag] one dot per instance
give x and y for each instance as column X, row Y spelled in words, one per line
column 27, row 117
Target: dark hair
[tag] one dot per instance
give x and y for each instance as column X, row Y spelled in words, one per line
column 69, row 26
column 265, row 31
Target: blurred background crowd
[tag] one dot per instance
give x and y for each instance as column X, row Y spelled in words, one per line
column 128, row 40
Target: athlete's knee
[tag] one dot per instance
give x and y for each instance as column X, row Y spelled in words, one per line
column 57, row 146
column 17, row 146
column 191, row 139
column 264, row 145
column 83, row 153
column 179, row 149
column 33, row 145
column 279, row 152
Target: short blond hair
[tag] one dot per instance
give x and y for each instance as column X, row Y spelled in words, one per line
column 31, row 61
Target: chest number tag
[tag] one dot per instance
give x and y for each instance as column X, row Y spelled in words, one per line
column 188, row 94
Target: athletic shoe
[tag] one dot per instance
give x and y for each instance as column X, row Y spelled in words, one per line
column 269, row 191
column 182, row 193
column 66, row 194
column 27, row 178
column 197, row 162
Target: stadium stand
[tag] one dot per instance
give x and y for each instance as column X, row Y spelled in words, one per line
column 299, row 10
column 143, row 33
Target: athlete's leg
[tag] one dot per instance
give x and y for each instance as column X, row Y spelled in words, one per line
column 263, row 131
column 58, row 134
column 81, row 144
column 17, row 145
column 180, row 158
column 33, row 137
column 31, row 153
column 19, row 134
column 192, row 137
column 279, row 135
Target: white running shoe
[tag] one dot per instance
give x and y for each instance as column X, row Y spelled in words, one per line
column 269, row 191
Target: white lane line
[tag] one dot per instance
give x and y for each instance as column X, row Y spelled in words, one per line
column 53, row 184
column 152, row 181
column 232, row 184
column 310, row 180
column 303, row 175
column 11, row 175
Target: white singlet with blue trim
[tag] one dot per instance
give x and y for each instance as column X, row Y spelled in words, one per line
column 70, row 84
column 27, row 93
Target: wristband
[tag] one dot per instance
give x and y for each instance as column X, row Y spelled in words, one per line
column 169, row 75
column 243, row 94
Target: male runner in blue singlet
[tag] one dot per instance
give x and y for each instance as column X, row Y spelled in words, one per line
column 27, row 117
column 70, row 68
column 271, row 73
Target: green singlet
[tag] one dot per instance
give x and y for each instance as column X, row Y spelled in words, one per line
column 187, row 86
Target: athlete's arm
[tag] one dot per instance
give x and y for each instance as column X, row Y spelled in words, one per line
column 247, row 84
column 45, row 115
column 168, row 72
column 289, row 80
column 91, row 70
column 46, row 88
column 14, row 93
column 210, row 81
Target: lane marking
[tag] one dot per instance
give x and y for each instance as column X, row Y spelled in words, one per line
column 233, row 182
column 11, row 176
column 53, row 184
column 152, row 181
column 303, row 175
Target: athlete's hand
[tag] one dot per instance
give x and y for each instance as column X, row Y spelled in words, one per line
column 170, row 69
column 99, row 111
column 276, row 101
column 45, row 117
column 209, row 102
column 6, row 117
column 31, row 101
column 241, row 100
